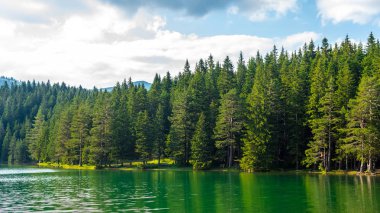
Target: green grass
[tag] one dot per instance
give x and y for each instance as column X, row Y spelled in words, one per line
column 134, row 165
column 66, row 166
column 166, row 161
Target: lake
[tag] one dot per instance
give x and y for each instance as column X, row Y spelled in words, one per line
column 40, row 189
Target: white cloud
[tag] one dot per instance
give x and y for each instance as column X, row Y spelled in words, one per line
column 233, row 10
column 293, row 41
column 104, row 46
column 356, row 11
column 261, row 10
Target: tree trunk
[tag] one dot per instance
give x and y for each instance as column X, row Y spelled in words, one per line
column 329, row 152
column 369, row 166
column 80, row 153
column 346, row 163
column 230, row 157
column 362, row 166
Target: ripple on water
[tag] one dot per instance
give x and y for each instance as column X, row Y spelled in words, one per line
column 25, row 171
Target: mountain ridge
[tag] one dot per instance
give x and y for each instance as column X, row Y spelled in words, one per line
column 11, row 80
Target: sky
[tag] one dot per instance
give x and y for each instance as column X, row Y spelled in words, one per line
column 99, row 42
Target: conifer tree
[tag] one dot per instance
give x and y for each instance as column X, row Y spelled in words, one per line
column 363, row 130
column 100, row 132
column 159, row 133
column 241, row 73
column 201, row 145
column 178, row 142
column 324, row 131
column 228, row 125
column 65, row 149
column 144, row 136
column 12, row 150
column 37, row 137
column 226, row 79
column 5, row 146
column 80, row 132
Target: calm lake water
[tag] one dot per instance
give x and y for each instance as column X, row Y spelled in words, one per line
column 36, row 189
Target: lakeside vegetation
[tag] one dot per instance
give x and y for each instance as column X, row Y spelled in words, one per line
column 318, row 107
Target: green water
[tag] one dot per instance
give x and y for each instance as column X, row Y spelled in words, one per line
column 34, row 189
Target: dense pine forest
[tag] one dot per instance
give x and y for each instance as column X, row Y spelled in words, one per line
column 318, row 108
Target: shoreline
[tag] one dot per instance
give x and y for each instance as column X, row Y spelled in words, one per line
column 173, row 168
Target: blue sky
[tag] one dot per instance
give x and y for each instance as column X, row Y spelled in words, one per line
column 100, row 42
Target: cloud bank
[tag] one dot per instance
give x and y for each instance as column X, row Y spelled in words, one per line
column 356, row 11
column 100, row 45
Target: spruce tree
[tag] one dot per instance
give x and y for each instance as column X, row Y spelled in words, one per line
column 228, row 125
column 144, row 136
column 80, row 132
column 363, row 129
column 324, row 131
column 226, row 79
column 178, row 142
column 100, row 132
column 37, row 137
column 159, row 133
column 201, row 145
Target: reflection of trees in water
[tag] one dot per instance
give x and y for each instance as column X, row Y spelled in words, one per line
column 189, row 191
column 341, row 193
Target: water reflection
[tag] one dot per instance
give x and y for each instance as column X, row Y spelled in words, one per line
column 184, row 191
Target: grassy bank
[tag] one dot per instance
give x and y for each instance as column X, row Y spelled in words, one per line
column 152, row 164
column 66, row 166
column 343, row 172
column 168, row 164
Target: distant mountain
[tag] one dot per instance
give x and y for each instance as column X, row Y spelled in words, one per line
column 8, row 80
column 147, row 85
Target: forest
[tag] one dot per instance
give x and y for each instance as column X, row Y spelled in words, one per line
column 317, row 108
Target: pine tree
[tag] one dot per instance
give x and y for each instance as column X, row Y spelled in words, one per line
column 80, row 132
column 37, row 137
column 12, row 150
column 64, row 147
column 144, row 137
column 250, row 74
column 324, row 131
column 178, row 141
column 229, row 125
column 21, row 155
column 226, row 79
column 363, row 129
column 159, row 133
column 241, row 73
column 263, row 126
column 2, row 134
column 100, row 132
column 5, row 146
column 201, row 145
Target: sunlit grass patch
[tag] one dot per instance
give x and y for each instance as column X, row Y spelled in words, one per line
column 166, row 161
column 66, row 166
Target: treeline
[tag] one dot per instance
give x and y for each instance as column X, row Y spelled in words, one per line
column 317, row 107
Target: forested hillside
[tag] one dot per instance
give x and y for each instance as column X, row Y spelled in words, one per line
column 318, row 107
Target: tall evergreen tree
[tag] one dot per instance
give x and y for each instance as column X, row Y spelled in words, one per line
column 178, row 142
column 80, row 132
column 100, row 132
column 229, row 125
column 159, row 133
column 5, row 146
column 144, row 136
column 37, row 137
column 201, row 148
column 324, row 131
column 363, row 131
column 226, row 79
